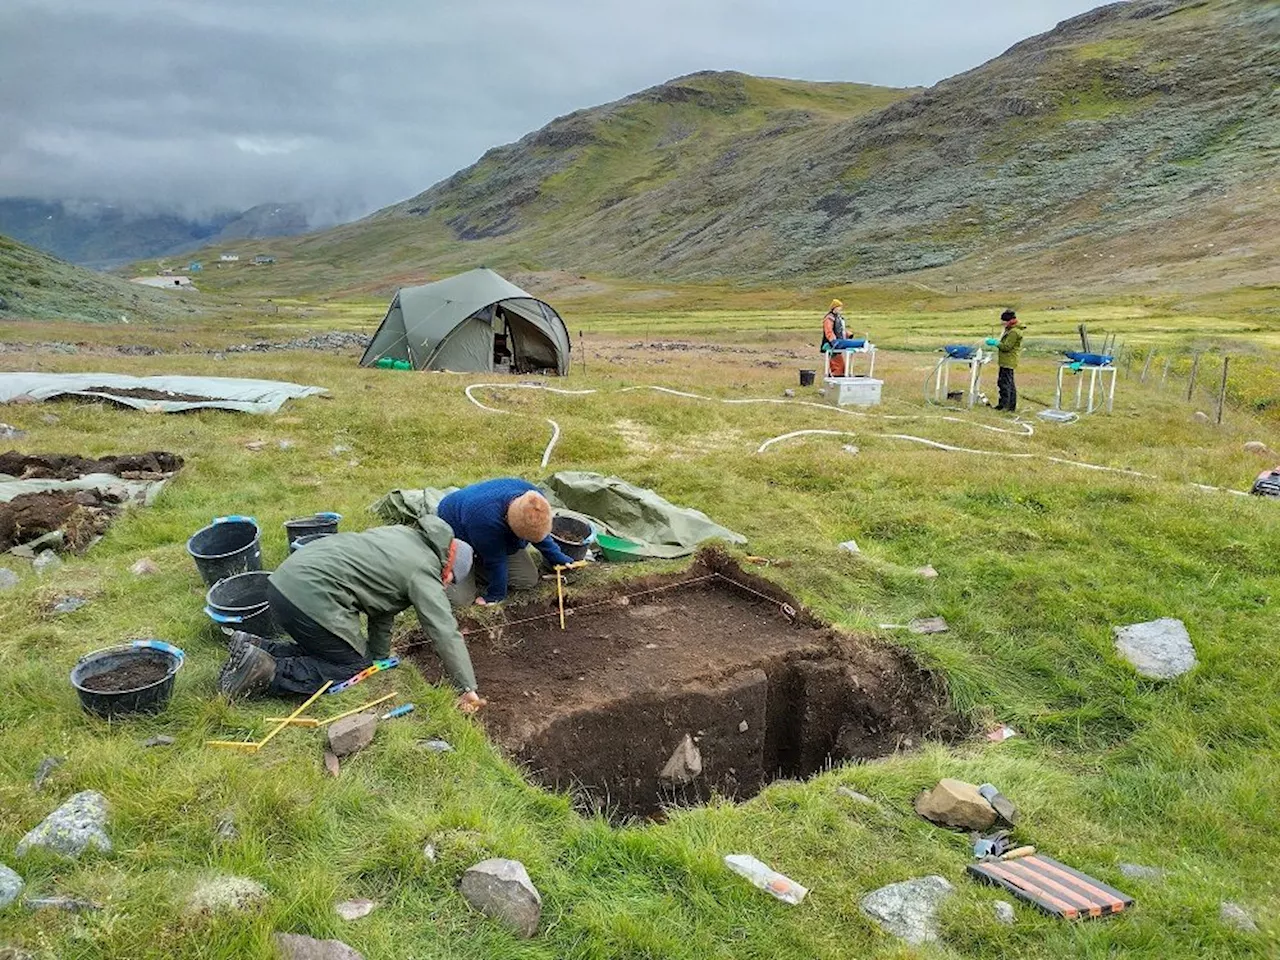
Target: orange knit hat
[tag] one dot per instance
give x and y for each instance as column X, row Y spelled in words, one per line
column 529, row 517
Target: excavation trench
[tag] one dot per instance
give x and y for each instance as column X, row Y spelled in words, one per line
column 763, row 690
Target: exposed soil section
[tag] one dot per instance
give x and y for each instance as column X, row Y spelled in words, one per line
column 69, row 466
column 763, row 688
column 128, row 676
column 81, row 515
column 143, row 393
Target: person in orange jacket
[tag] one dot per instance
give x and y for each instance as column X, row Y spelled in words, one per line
column 833, row 337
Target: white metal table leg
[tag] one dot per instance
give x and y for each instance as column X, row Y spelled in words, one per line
column 1111, row 393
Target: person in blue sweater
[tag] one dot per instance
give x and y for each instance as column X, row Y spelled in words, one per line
column 500, row 519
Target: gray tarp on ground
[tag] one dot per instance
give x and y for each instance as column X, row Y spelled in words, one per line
column 224, row 393
column 142, row 491
column 662, row 529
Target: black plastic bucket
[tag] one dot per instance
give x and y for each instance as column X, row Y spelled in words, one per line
column 228, row 546
column 572, row 535
column 148, row 698
column 306, row 526
column 309, row 538
column 806, row 377
column 240, row 602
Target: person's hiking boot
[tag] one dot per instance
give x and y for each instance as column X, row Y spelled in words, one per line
column 248, row 670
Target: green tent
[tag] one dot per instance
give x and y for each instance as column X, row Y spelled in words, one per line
column 476, row 322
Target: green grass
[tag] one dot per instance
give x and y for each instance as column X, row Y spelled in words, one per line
column 1037, row 562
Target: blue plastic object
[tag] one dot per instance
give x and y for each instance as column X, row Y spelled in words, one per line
column 849, row 344
column 1089, row 359
column 958, row 351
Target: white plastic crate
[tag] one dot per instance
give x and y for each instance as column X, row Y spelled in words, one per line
column 853, row 391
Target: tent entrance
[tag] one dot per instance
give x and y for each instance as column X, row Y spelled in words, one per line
column 518, row 345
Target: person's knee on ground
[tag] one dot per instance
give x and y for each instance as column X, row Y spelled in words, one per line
column 522, row 570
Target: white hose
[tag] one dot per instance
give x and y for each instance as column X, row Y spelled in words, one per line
column 555, row 427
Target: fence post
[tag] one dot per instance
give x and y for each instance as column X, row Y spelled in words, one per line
column 1191, row 384
column 1164, row 377
column 1146, row 367
column 1222, row 390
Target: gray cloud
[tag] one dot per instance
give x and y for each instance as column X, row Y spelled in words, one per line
column 197, row 106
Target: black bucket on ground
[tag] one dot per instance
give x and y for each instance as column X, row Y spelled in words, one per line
column 228, row 546
column 150, row 697
column 240, row 602
column 295, row 545
column 806, row 377
column 572, row 535
column 306, row 526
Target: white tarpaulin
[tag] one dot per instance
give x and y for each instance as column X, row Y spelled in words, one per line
column 223, row 393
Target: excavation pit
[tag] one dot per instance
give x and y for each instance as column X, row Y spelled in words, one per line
column 763, row 690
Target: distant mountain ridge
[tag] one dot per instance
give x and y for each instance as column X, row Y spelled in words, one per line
column 1134, row 144
column 102, row 236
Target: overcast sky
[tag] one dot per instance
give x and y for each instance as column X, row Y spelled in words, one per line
column 354, row 104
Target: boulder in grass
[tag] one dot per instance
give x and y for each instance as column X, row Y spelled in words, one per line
column 1237, row 917
column 954, row 803
column 1159, row 649
column 501, row 889
column 74, row 827
column 352, row 733
column 226, row 895
column 294, row 946
column 909, row 909
column 10, row 886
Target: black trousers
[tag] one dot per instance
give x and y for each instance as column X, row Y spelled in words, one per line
column 316, row 655
column 1008, row 390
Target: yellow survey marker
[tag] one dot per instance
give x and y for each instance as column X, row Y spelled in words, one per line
column 254, row 747
column 311, row 722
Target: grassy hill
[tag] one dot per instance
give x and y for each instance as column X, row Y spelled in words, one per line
column 1132, row 145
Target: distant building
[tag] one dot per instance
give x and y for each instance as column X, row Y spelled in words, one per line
column 263, row 258
column 165, row 282
column 229, row 257
column 195, row 266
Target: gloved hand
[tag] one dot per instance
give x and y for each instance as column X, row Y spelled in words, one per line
column 992, row 342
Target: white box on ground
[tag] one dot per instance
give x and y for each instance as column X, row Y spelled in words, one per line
column 853, row 391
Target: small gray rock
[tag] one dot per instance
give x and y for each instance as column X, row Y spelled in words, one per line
column 436, row 746
column 225, row 894
column 293, row 946
column 1200, row 417
column 1257, row 446
column 10, row 886
column 46, row 562
column 146, row 567
column 1160, row 649
column 685, row 764
column 8, row 579
column 75, row 826
column 925, row 625
column 51, row 419
column 69, row 904
column 352, row 733
column 45, row 769
column 927, row 572
column 225, row 828
column 14, row 953
column 788, row 393
column 24, row 551
column 850, row 546
column 1237, row 917
column 354, row 909
column 161, row 741
column 1004, row 912
column 909, row 909
column 69, row 604
column 10, row 432
column 501, row 889
column 1136, row 871
column 850, row 794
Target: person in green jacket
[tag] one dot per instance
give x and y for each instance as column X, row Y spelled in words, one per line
column 318, row 594
column 1008, row 348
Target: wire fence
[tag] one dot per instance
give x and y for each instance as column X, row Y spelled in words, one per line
column 1214, row 382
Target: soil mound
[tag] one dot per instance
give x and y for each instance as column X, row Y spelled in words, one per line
column 70, row 466
column 761, row 687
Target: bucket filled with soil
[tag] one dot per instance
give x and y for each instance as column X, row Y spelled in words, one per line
column 133, row 678
column 572, row 535
column 228, row 546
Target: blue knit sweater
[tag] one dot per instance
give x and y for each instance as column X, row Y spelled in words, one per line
column 478, row 515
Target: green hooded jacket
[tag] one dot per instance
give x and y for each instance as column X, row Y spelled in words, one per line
column 379, row 573
column 1010, row 347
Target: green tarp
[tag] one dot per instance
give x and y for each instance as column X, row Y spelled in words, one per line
column 662, row 529
column 454, row 324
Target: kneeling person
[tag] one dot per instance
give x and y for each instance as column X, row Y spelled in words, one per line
column 318, row 594
column 500, row 518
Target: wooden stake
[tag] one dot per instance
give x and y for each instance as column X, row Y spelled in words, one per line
column 1164, row 377
column 1222, row 390
column 560, row 594
column 1146, row 367
column 1195, row 368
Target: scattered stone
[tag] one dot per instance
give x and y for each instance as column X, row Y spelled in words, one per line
column 850, row 546
column 256, row 445
column 10, row 886
column 8, row 579
column 9, row 432
column 226, row 894
column 1136, row 871
column 160, row 741
column 285, row 444
column 75, row 826
column 46, row 768
column 926, row 625
column 849, row 448
column 24, row 550
column 50, row 418
column 1004, row 912
column 354, row 909
column 501, row 889
column 339, row 449
column 69, row 904
column 1160, row 649
column 743, row 727
column 927, row 572
column 429, row 852
column 436, row 746
column 13, row 953
column 954, row 803
column 1200, row 417
column 685, row 764
column 69, row 605
column 352, row 733
column 225, row 829
column 146, row 567
column 1236, row 917
column 1257, row 446
column 909, row 909
column 331, row 765
column 48, row 560
column 293, row 946
column 850, row 794
column 788, row 393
